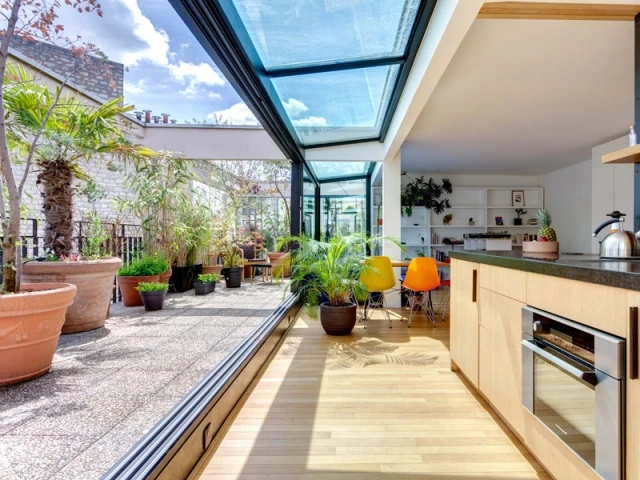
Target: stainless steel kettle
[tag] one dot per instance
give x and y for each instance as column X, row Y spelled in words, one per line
column 619, row 243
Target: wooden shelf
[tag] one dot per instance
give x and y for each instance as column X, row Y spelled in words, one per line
column 626, row 155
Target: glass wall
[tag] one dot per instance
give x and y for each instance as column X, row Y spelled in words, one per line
column 343, row 208
column 308, row 206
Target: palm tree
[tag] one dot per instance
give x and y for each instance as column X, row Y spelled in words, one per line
column 71, row 134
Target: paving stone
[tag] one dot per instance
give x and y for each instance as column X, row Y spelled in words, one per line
column 182, row 383
column 135, row 381
column 140, row 421
column 243, row 331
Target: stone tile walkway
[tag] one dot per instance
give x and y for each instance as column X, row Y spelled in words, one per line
column 109, row 386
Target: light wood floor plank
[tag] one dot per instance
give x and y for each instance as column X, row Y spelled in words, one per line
column 380, row 404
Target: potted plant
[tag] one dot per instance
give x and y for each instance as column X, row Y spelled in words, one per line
column 146, row 269
column 92, row 273
column 31, row 315
column 233, row 263
column 206, row 283
column 152, row 294
column 327, row 278
column 425, row 194
column 519, row 212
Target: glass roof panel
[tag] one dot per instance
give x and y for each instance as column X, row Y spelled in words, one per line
column 327, row 170
column 337, row 106
column 289, row 33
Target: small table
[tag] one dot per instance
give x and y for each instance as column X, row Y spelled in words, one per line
column 405, row 263
column 266, row 271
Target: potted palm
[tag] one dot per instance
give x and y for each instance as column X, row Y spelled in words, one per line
column 232, row 262
column 144, row 270
column 152, row 294
column 206, row 283
column 326, row 276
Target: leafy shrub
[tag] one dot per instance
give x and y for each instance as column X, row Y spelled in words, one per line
column 144, row 267
column 152, row 287
column 207, row 278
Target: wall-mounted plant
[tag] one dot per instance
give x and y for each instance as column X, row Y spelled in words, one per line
column 421, row 193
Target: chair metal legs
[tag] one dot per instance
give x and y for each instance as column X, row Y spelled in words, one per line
column 421, row 300
column 380, row 302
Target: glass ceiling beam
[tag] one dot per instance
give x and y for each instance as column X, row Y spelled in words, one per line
column 334, row 67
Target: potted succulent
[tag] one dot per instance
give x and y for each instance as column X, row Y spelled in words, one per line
column 92, row 273
column 152, row 294
column 326, row 276
column 233, row 263
column 206, row 283
column 146, row 269
column 519, row 212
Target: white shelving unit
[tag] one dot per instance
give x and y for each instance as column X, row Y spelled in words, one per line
column 480, row 203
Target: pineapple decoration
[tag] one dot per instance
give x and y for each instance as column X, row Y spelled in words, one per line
column 545, row 232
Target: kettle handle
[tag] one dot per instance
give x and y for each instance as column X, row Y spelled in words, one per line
column 605, row 223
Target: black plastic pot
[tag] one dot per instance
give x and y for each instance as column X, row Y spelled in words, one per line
column 182, row 278
column 153, row 300
column 204, row 288
column 233, row 277
column 338, row 320
column 517, row 221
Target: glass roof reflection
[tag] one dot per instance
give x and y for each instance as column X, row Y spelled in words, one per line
column 328, row 170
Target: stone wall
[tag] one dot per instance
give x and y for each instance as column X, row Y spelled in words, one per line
column 96, row 77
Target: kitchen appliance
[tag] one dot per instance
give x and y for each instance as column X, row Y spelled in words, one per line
column 573, row 382
column 619, row 243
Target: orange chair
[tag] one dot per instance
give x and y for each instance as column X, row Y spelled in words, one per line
column 378, row 279
column 421, row 278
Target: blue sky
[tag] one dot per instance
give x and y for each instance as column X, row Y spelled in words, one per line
column 167, row 69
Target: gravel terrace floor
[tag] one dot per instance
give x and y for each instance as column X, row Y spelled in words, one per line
column 107, row 387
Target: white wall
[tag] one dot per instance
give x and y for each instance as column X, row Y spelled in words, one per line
column 568, row 199
column 458, row 180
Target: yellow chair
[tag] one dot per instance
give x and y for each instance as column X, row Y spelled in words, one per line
column 378, row 278
column 421, row 278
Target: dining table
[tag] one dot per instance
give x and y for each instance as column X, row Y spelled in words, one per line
column 405, row 263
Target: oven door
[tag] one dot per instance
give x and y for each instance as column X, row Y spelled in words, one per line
column 578, row 402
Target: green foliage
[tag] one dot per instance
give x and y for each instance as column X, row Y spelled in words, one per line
column 95, row 238
column 191, row 231
column 425, row 194
column 152, row 287
column 331, row 269
column 143, row 267
column 207, row 278
column 520, row 212
column 230, row 253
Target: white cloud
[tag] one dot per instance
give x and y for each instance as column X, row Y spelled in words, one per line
column 310, row 122
column 193, row 75
column 294, row 107
column 134, row 88
column 214, row 96
column 238, row 114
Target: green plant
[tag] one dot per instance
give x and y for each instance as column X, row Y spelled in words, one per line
column 191, row 232
column 95, row 238
column 520, row 212
column 207, row 278
column 331, row 269
column 144, row 267
column 152, row 287
column 426, row 194
column 230, row 253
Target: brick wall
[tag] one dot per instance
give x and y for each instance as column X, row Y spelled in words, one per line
column 99, row 78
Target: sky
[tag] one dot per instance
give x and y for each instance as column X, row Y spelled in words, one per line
column 167, row 70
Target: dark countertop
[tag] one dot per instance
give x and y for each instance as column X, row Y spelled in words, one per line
column 584, row 268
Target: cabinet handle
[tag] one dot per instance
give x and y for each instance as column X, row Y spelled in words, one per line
column 633, row 343
column 474, row 294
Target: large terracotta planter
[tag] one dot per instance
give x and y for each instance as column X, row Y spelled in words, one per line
column 217, row 269
column 30, row 325
column 281, row 262
column 130, row 296
column 94, row 280
column 164, row 277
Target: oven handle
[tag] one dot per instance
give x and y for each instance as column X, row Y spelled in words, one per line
column 589, row 377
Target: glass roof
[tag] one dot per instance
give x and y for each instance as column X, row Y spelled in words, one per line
column 329, row 170
column 331, row 66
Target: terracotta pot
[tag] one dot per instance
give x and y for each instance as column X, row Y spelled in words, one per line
column 217, row 269
column 30, row 325
column 94, row 281
column 130, row 296
column 281, row 262
column 164, row 277
column 338, row 320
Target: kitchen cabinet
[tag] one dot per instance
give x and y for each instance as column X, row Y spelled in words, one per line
column 633, row 397
column 464, row 318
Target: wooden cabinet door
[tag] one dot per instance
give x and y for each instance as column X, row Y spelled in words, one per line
column 633, row 396
column 464, row 318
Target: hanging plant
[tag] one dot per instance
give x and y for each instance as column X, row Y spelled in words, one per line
column 421, row 193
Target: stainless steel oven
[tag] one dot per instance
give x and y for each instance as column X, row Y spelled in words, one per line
column 573, row 382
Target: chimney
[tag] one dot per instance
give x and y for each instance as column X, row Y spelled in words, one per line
column 174, row 121
column 138, row 115
column 156, row 119
column 165, row 118
column 147, row 116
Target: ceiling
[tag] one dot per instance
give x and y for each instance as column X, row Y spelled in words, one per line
column 526, row 97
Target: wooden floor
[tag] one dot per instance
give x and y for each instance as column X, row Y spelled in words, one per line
column 378, row 404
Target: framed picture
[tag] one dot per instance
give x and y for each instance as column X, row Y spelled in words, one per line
column 517, row 198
